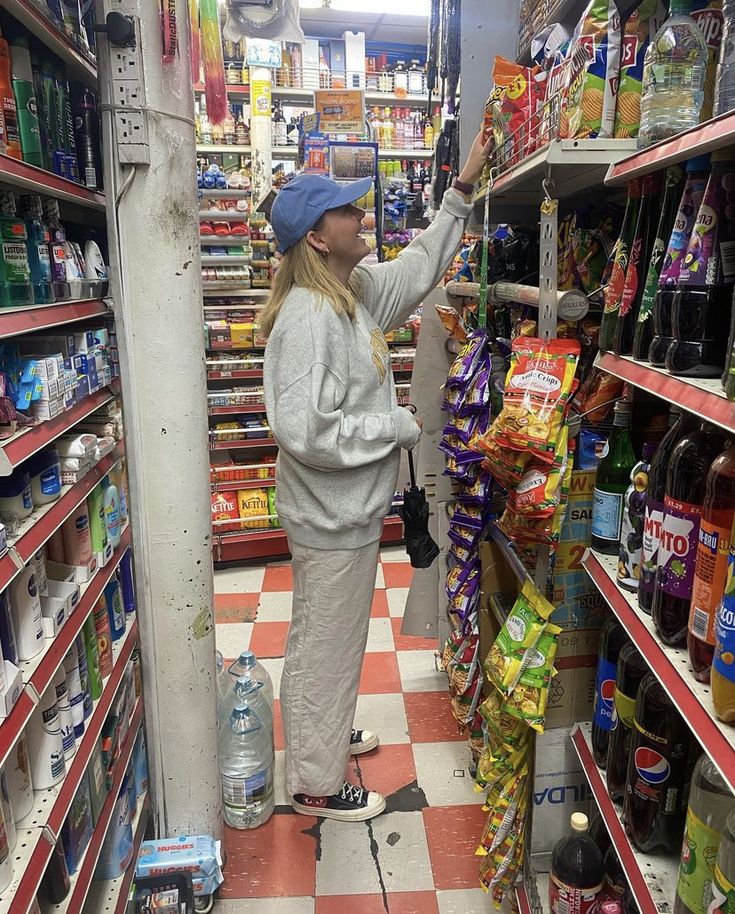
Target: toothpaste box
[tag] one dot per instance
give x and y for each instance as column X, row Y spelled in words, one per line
column 199, row 855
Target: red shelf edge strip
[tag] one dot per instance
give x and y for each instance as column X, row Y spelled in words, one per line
column 52, row 182
column 40, row 317
column 703, row 726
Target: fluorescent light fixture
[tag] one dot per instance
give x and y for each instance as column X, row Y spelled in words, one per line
column 377, row 7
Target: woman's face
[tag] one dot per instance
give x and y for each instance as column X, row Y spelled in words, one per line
column 339, row 231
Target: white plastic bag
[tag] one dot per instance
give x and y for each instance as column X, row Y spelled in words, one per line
column 277, row 20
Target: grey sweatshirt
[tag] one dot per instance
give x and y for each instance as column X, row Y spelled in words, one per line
column 330, row 396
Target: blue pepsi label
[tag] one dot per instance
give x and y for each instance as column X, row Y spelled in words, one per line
column 604, row 694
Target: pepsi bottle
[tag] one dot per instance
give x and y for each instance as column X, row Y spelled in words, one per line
column 659, row 772
column 612, row 640
column 630, row 671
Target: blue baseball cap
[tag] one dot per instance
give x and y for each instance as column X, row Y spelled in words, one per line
column 301, row 203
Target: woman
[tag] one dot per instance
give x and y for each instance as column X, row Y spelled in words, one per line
column 332, row 406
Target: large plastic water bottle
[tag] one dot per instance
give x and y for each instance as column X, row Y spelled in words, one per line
column 245, row 690
column 725, row 87
column 247, row 664
column 673, row 77
column 246, row 768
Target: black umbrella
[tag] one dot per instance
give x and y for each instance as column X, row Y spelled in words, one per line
column 421, row 548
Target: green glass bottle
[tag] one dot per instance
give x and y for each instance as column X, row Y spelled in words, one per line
column 613, row 478
column 620, row 257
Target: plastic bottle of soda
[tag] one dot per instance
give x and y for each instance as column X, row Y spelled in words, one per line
column 669, row 207
column 613, row 638
column 635, row 275
column 659, row 771
column 620, row 258
column 677, row 551
column 697, row 170
column 615, row 885
column 710, row 803
column 710, row 567
column 613, row 476
column 723, row 884
column 577, row 871
column 631, row 531
column 703, row 299
column 680, row 423
column 630, row 671
column 722, row 676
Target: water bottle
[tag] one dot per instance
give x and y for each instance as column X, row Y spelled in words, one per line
column 673, row 77
column 246, row 768
column 221, row 675
column 725, row 87
column 245, row 690
column 247, row 664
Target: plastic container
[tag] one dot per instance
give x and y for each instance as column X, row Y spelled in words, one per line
column 74, row 686
column 725, row 86
column 7, row 631
column 25, row 608
column 115, row 611
column 39, row 252
column 25, row 103
column 11, row 831
column 45, row 472
column 66, row 722
column 127, row 581
column 631, row 668
column 76, row 537
column 577, row 871
column 247, row 664
column 45, row 744
column 613, row 638
column 16, row 499
column 91, row 653
column 97, row 526
column 20, row 783
column 104, row 637
column 631, row 532
column 111, row 502
column 117, row 848
column 246, row 767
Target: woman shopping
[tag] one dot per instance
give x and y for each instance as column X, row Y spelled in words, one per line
column 332, row 406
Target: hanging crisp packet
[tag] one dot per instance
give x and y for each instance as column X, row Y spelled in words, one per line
column 529, row 698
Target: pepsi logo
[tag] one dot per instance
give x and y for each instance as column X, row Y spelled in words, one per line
column 651, row 765
column 607, row 691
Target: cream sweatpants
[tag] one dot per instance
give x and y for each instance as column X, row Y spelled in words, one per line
column 332, row 598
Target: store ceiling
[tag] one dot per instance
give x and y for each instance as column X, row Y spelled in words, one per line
column 385, row 27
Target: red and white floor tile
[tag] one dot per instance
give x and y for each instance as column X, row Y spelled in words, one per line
column 418, row 857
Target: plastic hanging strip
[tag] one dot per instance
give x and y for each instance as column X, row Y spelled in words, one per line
column 482, row 310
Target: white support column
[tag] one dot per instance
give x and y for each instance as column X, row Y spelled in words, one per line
column 152, row 215
column 260, row 132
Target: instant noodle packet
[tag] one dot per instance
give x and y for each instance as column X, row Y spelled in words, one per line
column 519, row 634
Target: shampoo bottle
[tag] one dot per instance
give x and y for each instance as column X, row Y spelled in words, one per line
column 104, row 636
column 87, row 703
column 111, row 500
column 25, row 103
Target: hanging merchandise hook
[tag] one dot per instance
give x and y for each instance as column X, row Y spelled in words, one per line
column 547, row 182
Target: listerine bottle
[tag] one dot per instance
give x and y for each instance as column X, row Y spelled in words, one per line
column 39, row 251
column 15, row 270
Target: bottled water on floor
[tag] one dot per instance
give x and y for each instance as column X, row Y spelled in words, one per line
column 673, row 77
column 247, row 664
column 246, row 767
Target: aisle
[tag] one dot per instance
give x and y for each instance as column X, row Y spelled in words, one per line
column 418, row 857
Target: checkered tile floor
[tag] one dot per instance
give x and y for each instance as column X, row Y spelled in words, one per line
column 418, row 858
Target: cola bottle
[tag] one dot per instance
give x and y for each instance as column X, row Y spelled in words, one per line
column 680, row 423
column 612, row 639
column 710, row 567
column 615, row 885
column 677, row 551
column 630, row 671
column 659, row 772
column 577, row 871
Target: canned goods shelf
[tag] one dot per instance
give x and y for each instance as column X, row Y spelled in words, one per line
column 652, row 877
column 702, row 396
column 51, row 806
column 670, row 666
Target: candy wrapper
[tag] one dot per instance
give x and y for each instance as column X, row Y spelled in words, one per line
column 519, row 634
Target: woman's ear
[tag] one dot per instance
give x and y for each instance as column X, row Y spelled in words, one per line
column 317, row 243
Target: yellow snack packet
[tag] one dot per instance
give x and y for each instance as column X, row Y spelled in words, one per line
column 529, row 698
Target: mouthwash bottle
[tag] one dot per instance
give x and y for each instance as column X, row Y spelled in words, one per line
column 57, row 232
column 15, row 270
column 702, row 304
column 39, row 251
column 697, row 172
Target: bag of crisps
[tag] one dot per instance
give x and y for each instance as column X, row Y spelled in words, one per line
column 554, row 121
column 529, row 698
column 594, row 72
column 640, row 26
column 517, row 637
column 519, row 92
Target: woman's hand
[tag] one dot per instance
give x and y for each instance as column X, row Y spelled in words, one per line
column 475, row 162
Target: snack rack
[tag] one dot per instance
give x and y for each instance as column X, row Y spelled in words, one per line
column 38, row 832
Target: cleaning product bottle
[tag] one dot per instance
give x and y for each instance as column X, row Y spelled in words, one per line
column 39, row 251
column 97, row 527
column 10, row 137
column 111, row 500
column 115, row 611
column 24, row 91
column 62, row 289
column 15, row 268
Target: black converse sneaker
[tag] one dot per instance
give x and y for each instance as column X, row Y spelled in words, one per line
column 351, row 804
column 363, row 741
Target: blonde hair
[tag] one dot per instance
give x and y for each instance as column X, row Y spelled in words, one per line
column 304, row 267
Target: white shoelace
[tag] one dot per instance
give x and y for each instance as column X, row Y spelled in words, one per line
column 351, row 793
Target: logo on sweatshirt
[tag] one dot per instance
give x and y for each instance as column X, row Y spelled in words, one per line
column 379, row 347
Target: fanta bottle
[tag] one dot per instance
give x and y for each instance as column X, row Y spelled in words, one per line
column 722, row 677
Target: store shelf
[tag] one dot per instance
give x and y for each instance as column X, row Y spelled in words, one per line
column 223, row 215
column 76, row 897
column 525, row 892
column 231, row 486
column 226, row 241
column 27, row 442
column 669, row 665
column 702, row 396
column 244, row 150
column 111, row 895
column 15, row 321
column 567, row 11
column 284, row 152
column 232, row 289
column 304, row 96
column 33, row 850
column 242, row 444
column 79, row 64
column 652, row 877
column 574, row 166
column 236, row 410
column 713, row 134
column 21, row 176
column 214, row 193
column 36, row 529
column 243, row 373
column 222, row 260
column 405, row 153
